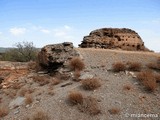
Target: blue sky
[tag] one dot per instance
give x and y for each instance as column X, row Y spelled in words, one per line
column 53, row 21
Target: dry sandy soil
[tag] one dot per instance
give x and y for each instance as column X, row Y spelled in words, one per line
column 52, row 99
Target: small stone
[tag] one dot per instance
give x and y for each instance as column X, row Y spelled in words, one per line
column 27, row 106
column 16, row 112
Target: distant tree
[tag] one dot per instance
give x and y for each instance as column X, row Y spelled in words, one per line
column 23, row 52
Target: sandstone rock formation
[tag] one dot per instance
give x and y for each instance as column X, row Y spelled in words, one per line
column 51, row 57
column 113, row 38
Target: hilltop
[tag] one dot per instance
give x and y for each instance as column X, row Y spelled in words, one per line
column 119, row 95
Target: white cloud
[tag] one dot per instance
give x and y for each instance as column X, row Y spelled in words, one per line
column 1, row 33
column 17, row 31
column 67, row 27
column 62, row 32
column 45, row 31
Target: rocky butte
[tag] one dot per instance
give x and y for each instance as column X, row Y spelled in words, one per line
column 114, row 38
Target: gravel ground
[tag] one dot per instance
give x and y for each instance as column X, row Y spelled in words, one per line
column 110, row 95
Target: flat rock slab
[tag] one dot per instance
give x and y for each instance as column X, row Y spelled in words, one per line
column 16, row 102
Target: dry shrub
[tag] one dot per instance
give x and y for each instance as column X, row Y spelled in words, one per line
column 10, row 92
column 28, row 99
column 157, row 77
column 152, row 65
column 34, row 65
column 76, row 74
column 127, row 87
column 75, row 97
column 76, row 64
column 23, row 91
column 60, row 76
column 3, row 111
column 55, row 81
column 39, row 115
column 150, row 85
column 144, row 75
column 118, row 66
column 134, row 66
column 155, row 65
column 51, row 92
column 89, row 105
column 158, row 60
column 16, row 86
column 148, row 80
column 91, row 83
column 42, row 80
column 114, row 111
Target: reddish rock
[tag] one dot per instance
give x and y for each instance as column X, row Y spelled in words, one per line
column 113, row 38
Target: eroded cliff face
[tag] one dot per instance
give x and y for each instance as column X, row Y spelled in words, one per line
column 114, row 38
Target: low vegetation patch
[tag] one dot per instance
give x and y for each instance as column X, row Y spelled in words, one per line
column 118, row 66
column 75, row 97
column 76, row 74
column 127, row 87
column 42, row 80
column 148, row 79
column 3, row 111
column 22, row 52
column 114, row 111
column 90, row 105
column 157, row 77
column 154, row 65
column 134, row 66
column 39, row 115
column 23, row 91
column 28, row 99
column 91, row 83
column 76, row 64
column 55, row 81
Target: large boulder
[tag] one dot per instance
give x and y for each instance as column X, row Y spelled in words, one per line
column 52, row 57
column 114, row 38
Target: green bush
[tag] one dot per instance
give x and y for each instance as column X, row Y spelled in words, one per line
column 23, row 52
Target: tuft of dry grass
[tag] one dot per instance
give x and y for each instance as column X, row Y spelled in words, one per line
column 28, row 99
column 152, row 65
column 148, row 80
column 10, row 92
column 127, row 87
column 91, row 83
column 42, row 80
column 90, row 105
column 55, row 81
column 114, row 111
column 16, row 86
column 51, row 92
column 75, row 97
column 23, row 91
column 3, row 111
column 34, row 65
column 118, row 66
column 39, row 115
column 76, row 74
column 61, row 76
column 76, row 64
column 157, row 77
column 134, row 66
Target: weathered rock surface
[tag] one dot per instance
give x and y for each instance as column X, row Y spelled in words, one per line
column 113, row 38
column 54, row 56
column 16, row 102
